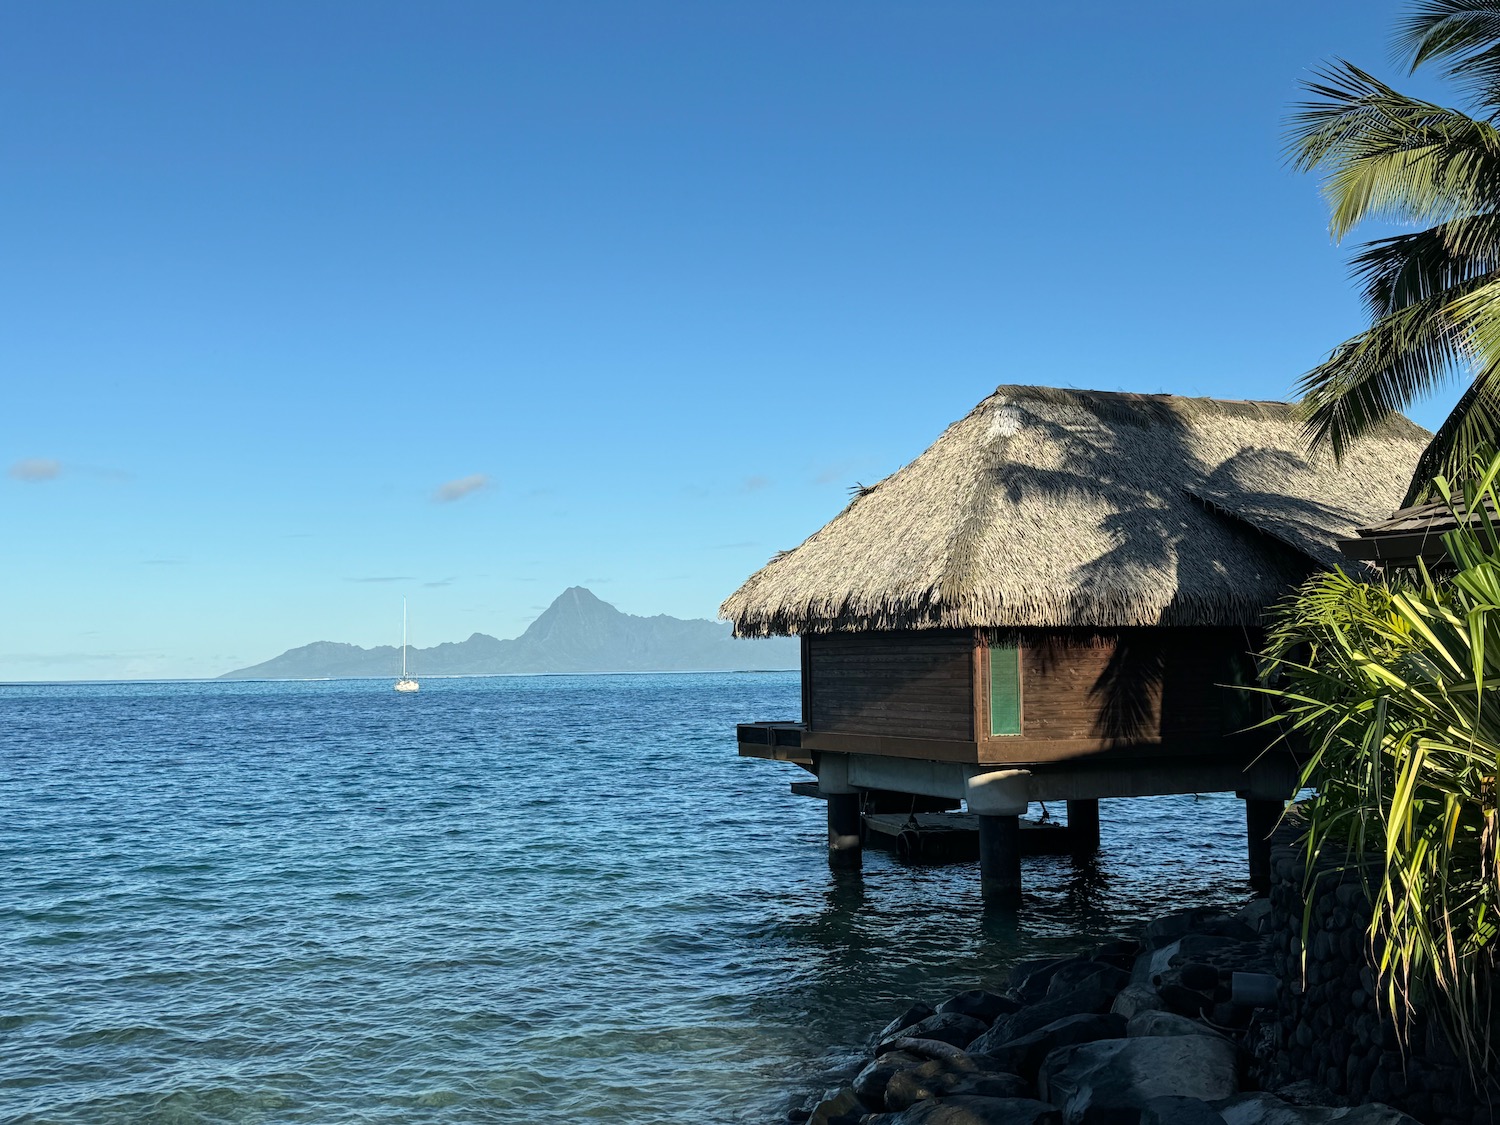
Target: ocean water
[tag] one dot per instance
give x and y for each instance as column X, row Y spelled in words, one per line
column 508, row 899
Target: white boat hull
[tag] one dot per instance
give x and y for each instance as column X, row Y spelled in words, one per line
column 407, row 685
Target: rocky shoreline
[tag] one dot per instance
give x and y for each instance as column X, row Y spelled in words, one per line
column 1180, row 1025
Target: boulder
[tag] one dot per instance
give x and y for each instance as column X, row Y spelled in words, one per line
column 982, row 1005
column 1267, row 1109
column 969, row 1110
column 1179, row 1111
column 1024, row 1056
column 1030, row 979
column 945, row 1027
column 928, row 1048
column 1164, row 931
column 1114, row 1078
column 1166, row 1023
column 836, row 1104
column 1121, row 952
column 915, row 1014
column 1094, row 995
column 1216, row 951
column 1072, row 976
column 1255, row 915
column 937, row 1079
column 870, row 1083
column 1135, row 999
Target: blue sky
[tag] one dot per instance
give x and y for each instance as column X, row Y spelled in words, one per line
column 647, row 285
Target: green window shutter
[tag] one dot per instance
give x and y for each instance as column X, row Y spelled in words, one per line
column 1005, row 690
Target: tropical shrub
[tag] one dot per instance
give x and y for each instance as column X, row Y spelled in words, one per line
column 1394, row 687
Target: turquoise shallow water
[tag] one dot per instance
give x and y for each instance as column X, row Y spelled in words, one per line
column 509, row 899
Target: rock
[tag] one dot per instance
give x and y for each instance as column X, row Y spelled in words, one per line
column 972, row 1111
column 1198, row 976
column 1306, row 1093
column 1164, row 931
column 1255, row 915
column 928, row 1048
column 870, row 1083
column 1137, row 998
column 835, row 1104
column 1166, row 1023
column 946, row 1027
column 1115, row 1078
column 915, row 1014
column 1121, row 952
column 1184, row 1001
column 1179, row 1111
column 1094, row 995
column 1069, row 977
column 1024, row 1056
column 937, row 1079
column 982, row 1005
column 1267, row 1109
column 1030, row 979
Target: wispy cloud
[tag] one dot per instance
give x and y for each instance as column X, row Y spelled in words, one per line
column 34, row 470
column 384, row 578
column 444, row 582
column 756, row 483
column 833, row 474
column 458, row 489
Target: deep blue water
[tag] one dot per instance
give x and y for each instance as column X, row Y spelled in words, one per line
column 508, row 899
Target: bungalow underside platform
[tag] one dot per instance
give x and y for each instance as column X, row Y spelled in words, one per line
column 858, row 773
column 1058, row 771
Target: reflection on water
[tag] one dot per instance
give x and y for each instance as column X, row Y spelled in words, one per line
column 504, row 900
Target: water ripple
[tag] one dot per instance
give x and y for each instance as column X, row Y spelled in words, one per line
column 515, row 899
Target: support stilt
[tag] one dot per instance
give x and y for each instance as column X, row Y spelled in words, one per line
column 843, row 830
column 1083, row 826
column 1260, row 821
column 1000, row 858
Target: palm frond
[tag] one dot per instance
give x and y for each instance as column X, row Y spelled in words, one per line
column 1466, row 440
column 1402, row 270
column 1462, row 36
column 1389, row 155
column 1403, row 355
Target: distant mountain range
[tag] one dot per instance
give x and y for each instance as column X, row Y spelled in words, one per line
column 576, row 633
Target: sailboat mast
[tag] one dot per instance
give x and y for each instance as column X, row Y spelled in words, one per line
column 403, row 638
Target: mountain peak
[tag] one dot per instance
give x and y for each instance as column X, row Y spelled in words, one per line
column 578, row 632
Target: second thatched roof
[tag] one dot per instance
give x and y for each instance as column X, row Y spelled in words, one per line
column 1064, row 508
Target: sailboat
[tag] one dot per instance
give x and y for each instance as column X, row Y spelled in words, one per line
column 405, row 683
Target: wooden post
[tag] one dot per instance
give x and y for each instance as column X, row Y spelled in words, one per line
column 844, row 824
column 1083, row 826
column 1000, row 858
column 1260, row 821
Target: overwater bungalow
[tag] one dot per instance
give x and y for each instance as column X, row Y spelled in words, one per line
column 1060, row 601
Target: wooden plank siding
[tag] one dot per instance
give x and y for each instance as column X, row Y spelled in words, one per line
column 1161, row 691
column 913, row 685
column 1128, row 694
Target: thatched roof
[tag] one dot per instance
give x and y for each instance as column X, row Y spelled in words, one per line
column 1048, row 507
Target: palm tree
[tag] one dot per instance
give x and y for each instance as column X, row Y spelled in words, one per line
column 1433, row 294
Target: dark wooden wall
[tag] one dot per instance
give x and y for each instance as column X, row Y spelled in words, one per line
column 902, row 685
column 1136, row 683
